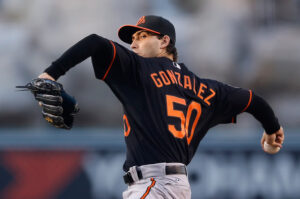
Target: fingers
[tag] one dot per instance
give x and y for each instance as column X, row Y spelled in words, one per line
column 46, row 76
column 272, row 139
column 279, row 140
column 280, row 134
column 277, row 144
column 279, row 137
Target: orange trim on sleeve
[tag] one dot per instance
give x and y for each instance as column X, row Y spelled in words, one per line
column 112, row 61
column 249, row 102
column 149, row 188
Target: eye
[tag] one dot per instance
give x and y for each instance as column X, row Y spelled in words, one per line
column 143, row 36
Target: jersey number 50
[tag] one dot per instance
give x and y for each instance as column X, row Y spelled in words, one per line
column 184, row 120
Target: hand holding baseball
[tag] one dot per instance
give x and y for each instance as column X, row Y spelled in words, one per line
column 272, row 143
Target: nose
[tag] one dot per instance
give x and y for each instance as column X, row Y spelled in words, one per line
column 133, row 45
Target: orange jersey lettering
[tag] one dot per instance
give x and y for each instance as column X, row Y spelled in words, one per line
column 187, row 82
column 206, row 100
column 156, row 80
column 201, row 90
column 172, row 76
column 178, row 78
column 164, row 78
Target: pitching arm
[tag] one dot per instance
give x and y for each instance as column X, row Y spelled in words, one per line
column 262, row 111
column 92, row 45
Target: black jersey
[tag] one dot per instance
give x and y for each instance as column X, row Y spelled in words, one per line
column 167, row 108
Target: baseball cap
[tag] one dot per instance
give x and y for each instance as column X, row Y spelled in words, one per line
column 151, row 23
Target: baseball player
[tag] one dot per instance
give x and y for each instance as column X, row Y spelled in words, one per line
column 167, row 108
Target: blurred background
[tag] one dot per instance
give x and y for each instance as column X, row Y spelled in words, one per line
column 252, row 44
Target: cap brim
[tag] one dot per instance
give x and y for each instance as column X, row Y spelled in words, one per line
column 125, row 32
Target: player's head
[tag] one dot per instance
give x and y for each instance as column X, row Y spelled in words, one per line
column 152, row 36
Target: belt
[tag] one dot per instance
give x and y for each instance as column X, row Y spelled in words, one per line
column 169, row 170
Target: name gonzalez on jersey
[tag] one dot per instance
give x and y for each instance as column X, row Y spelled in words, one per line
column 168, row 77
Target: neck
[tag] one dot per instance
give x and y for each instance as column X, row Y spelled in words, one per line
column 165, row 54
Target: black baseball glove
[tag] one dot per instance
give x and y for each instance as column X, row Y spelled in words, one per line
column 59, row 108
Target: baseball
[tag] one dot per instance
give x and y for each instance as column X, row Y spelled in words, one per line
column 270, row 149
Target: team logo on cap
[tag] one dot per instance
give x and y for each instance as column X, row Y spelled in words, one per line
column 141, row 20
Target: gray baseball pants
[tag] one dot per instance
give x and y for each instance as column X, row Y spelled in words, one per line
column 156, row 184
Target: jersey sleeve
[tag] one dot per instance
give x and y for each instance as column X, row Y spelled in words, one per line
column 230, row 101
column 120, row 69
column 111, row 61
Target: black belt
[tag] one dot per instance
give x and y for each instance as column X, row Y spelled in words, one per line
column 170, row 170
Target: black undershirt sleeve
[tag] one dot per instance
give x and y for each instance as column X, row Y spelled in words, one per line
column 262, row 111
column 87, row 47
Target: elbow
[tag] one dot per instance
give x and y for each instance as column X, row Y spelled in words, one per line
column 94, row 37
column 97, row 40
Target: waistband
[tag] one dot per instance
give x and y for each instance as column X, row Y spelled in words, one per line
column 137, row 173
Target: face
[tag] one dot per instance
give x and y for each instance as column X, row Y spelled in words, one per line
column 146, row 44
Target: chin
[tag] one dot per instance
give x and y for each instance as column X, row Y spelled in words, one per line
column 140, row 54
column 137, row 53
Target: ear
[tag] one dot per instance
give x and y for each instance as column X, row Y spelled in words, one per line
column 165, row 41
